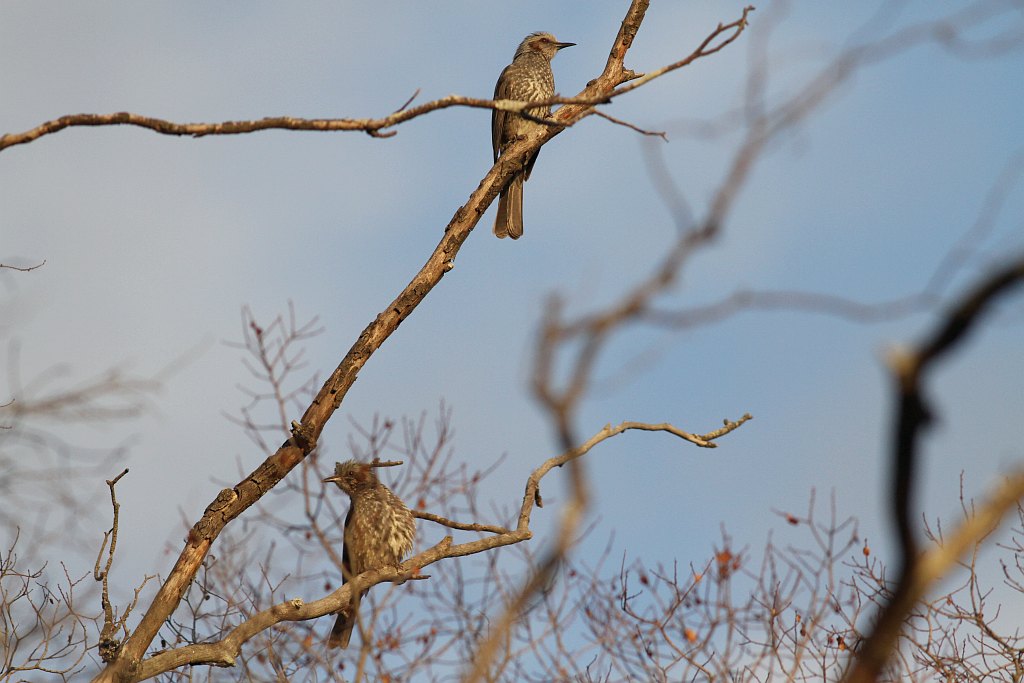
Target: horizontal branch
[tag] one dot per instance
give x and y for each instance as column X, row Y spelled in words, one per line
column 26, row 269
column 378, row 127
column 461, row 526
column 532, row 493
column 224, row 651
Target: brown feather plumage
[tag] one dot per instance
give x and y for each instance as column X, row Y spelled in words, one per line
column 379, row 532
column 528, row 78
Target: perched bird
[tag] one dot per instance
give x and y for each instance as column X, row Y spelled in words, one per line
column 528, row 78
column 379, row 530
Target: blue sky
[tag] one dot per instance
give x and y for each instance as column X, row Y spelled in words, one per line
column 153, row 244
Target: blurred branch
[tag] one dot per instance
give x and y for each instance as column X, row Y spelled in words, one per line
column 760, row 124
column 917, row 573
column 111, row 396
column 956, row 259
column 43, row 471
column 582, row 339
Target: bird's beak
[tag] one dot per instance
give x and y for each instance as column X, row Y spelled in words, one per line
column 330, row 479
column 562, row 45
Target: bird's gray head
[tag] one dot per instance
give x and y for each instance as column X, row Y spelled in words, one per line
column 352, row 476
column 541, row 43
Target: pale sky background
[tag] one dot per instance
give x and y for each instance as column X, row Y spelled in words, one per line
column 153, row 244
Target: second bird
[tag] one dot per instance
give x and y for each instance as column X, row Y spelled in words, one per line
column 379, row 531
column 528, row 78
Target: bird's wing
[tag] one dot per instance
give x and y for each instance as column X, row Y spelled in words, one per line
column 346, row 562
column 501, row 92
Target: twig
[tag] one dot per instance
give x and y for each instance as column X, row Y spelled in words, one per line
column 461, row 526
column 23, row 270
column 386, row 463
column 655, row 133
column 109, row 645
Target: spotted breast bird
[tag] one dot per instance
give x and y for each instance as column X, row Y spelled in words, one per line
column 527, row 79
column 379, row 531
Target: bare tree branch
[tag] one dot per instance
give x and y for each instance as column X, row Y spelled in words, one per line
column 910, row 369
column 109, row 644
column 230, row 503
column 27, row 269
column 461, row 526
column 41, row 630
column 224, row 651
column 379, row 127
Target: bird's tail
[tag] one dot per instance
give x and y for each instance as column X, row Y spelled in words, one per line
column 509, row 221
column 342, row 631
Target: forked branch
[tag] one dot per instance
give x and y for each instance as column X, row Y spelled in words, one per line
column 230, row 503
column 224, row 651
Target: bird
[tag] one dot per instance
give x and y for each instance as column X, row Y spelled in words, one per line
column 528, row 78
column 379, row 532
